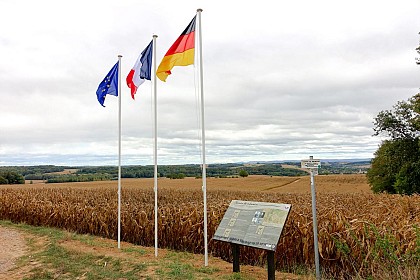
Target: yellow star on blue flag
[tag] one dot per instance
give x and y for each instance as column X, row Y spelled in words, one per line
column 109, row 85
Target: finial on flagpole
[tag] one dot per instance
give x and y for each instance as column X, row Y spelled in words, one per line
column 155, row 36
column 199, row 10
column 119, row 55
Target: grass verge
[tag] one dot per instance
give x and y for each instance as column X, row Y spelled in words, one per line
column 58, row 254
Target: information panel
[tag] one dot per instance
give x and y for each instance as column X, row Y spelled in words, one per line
column 254, row 224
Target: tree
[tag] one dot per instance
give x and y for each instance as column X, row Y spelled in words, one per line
column 408, row 178
column 401, row 123
column 243, row 173
column 11, row 177
column 385, row 174
column 395, row 165
column 3, row 181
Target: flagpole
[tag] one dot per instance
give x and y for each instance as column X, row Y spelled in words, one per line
column 203, row 139
column 155, row 143
column 119, row 151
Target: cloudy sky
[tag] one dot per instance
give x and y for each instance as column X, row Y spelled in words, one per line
column 282, row 79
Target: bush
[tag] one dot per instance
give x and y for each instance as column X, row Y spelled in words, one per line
column 243, row 173
column 176, row 176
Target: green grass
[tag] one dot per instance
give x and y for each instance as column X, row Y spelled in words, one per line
column 176, row 266
column 67, row 264
column 89, row 240
column 176, row 270
column 135, row 250
column 238, row 276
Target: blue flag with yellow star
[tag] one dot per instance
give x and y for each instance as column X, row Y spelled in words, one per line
column 109, row 85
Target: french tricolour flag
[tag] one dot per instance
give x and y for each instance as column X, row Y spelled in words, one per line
column 141, row 70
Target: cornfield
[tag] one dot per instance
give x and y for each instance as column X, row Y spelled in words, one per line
column 356, row 230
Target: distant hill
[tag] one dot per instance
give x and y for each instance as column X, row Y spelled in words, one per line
column 55, row 174
column 322, row 160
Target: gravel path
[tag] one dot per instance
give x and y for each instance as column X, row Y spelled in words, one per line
column 12, row 246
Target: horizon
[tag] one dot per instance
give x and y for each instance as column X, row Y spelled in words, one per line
column 348, row 160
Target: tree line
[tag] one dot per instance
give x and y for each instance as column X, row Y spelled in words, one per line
column 48, row 173
column 396, row 165
column 194, row 170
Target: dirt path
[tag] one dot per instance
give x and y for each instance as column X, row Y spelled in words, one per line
column 12, row 246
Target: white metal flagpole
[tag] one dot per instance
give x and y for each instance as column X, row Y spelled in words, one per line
column 203, row 139
column 119, row 151
column 155, row 143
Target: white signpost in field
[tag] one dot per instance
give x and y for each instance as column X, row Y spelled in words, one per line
column 313, row 165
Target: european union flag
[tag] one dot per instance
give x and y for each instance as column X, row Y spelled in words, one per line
column 109, row 85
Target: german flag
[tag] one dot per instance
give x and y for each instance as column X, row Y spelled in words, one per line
column 180, row 54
